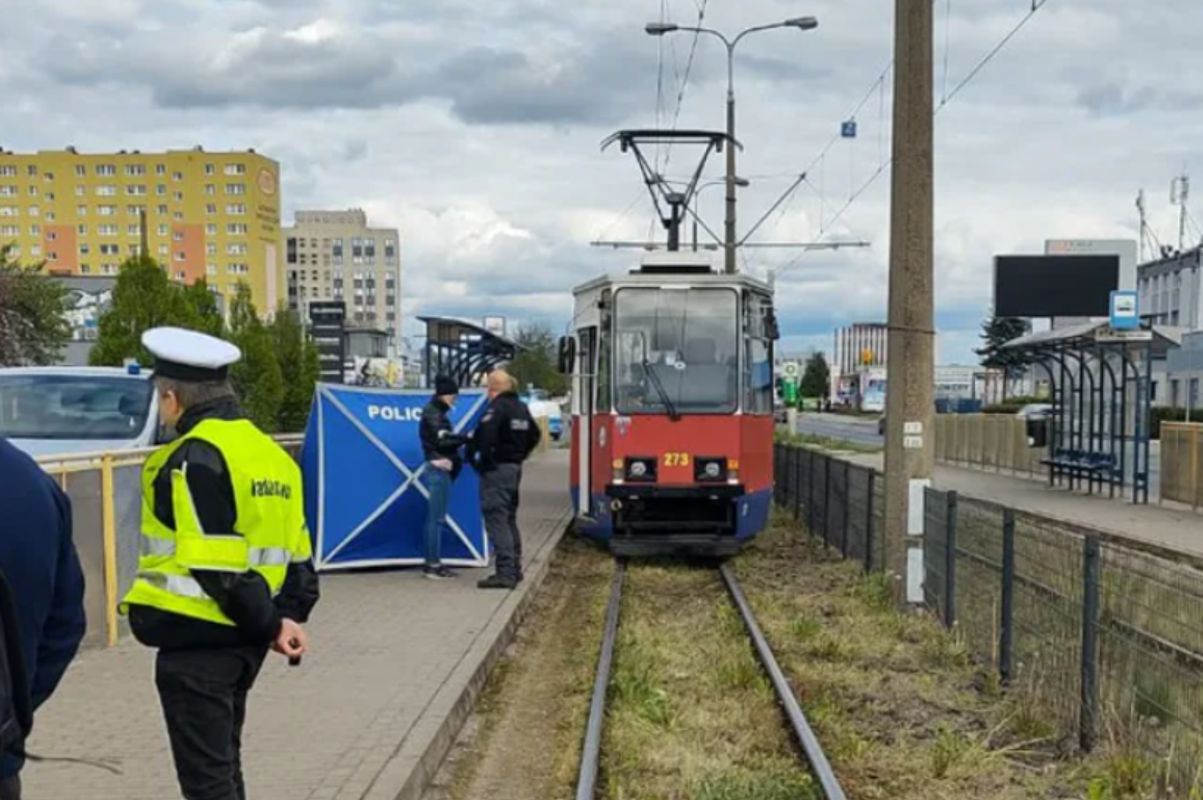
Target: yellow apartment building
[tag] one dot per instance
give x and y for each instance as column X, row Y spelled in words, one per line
column 208, row 215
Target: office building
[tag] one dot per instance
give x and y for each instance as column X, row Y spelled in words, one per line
column 1184, row 374
column 214, row 216
column 1170, row 290
column 334, row 255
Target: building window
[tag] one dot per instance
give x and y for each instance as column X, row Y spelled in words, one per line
column 135, row 211
column 236, row 268
column 80, row 170
column 85, row 269
column 135, row 250
column 210, row 169
column 134, row 230
column 106, row 190
column 164, row 249
column 236, row 229
column 84, row 249
column 8, row 211
column 210, row 209
column 210, row 189
column 8, row 171
column 235, row 169
column 236, row 249
column 134, row 170
column 177, row 236
column 82, row 230
column 51, row 236
column 211, row 249
column 8, row 191
column 107, row 230
column 106, row 211
column 35, row 230
column 180, row 255
column 178, row 216
column 161, row 190
column 236, row 210
column 162, row 230
column 210, row 269
column 177, row 176
column 109, row 249
column 161, row 210
column 80, row 191
column 10, row 230
column 33, row 191
column 210, row 229
column 34, row 211
column 235, row 188
column 36, row 250
column 106, row 170
column 160, row 169
column 177, row 196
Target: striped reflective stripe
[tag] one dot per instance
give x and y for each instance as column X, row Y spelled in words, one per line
column 175, row 584
column 156, row 546
column 269, row 557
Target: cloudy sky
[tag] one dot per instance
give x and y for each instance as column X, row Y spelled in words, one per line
column 474, row 128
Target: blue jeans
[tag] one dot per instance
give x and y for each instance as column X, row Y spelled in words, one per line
column 438, row 483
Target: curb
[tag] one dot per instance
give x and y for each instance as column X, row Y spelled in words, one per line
column 409, row 771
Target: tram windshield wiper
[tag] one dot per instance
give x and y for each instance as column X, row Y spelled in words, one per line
column 669, row 406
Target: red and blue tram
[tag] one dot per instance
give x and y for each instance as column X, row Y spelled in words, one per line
column 672, row 408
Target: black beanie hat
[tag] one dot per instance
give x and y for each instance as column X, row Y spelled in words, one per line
column 445, row 385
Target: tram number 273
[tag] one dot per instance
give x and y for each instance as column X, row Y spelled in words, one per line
column 676, row 459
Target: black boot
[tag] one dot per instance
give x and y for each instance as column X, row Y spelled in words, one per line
column 497, row 582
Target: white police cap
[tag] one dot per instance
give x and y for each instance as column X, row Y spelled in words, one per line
column 189, row 355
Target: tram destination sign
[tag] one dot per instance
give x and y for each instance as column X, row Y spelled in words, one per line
column 1121, row 336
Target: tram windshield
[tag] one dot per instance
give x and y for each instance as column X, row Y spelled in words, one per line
column 676, row 351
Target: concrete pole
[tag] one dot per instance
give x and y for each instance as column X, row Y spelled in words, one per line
column 910, row 391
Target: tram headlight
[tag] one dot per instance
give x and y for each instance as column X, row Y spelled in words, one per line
column 641, row 469
column 710, row 470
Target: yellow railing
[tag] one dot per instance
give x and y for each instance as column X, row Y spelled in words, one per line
column 105, row 493
column 986, row 441
column 1182, row 462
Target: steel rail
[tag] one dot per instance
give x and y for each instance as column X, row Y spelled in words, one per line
column 586, row 783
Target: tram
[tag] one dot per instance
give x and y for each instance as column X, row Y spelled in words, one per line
column 672, row 407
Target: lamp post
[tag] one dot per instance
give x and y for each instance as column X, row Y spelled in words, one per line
column 664, row 28
column 742, row 183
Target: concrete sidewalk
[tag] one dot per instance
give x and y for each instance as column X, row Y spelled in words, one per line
column 397, row 663
column 1176, row 529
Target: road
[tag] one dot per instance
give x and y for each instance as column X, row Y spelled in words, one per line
column 861, row 430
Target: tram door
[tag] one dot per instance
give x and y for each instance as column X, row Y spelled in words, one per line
column 586, row 398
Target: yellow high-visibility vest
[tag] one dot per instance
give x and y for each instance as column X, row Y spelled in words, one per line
column 269, row 529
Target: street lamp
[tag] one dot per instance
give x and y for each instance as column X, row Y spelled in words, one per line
column 742, row 183
column 663, row 28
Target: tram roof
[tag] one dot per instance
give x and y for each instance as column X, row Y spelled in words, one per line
column 664, row 278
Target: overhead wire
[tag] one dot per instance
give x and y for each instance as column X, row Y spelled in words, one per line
column 693, row 48
column 885, row 163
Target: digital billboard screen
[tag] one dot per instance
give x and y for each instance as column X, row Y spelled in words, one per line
column 1054, row 286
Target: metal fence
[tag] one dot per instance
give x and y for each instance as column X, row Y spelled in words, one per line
column 1182, row 462
column 106, row 494
column 1095, row 636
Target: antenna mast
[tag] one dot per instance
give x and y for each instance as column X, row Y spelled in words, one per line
column 1179, row 194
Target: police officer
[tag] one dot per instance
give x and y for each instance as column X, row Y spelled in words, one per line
column 225, row 569
column 506, row 437
column 441, row 447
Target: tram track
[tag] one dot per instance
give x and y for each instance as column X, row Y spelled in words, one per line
column 811, row 751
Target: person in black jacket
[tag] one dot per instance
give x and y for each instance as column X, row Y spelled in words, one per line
column 506, row 437
column 38, row 559
column 441, row 447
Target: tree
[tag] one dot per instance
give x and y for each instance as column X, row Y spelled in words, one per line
column 816, row 379
column 33, row 329
column 144, row 298
column 535, row 362
column 257, row 378
column 199, row 306
column 996, row 332
column 299, row 369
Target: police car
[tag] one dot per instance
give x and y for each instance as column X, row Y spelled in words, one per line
column 51, row 411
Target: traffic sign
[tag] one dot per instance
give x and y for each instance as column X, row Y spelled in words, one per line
column 1125, row 310
column 790, row 370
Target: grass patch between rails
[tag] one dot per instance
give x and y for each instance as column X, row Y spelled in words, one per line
column 691, row 714
column 900, row 707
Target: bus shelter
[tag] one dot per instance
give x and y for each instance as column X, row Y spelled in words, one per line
column 1100, row 382
column 464, row 351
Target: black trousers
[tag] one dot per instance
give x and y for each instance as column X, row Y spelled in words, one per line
column 10, row 788
column 499, row 505
column 203, row 693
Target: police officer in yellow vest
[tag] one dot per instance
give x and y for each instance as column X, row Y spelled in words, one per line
column 225, row 570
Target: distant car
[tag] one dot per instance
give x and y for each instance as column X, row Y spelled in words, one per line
column 541, row 405
column 1035, row 411
column 50, row 411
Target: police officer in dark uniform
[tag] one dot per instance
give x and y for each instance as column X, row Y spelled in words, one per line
column 506, row 437
column 225, row 570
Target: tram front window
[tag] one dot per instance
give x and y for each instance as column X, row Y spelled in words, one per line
column 676, row 351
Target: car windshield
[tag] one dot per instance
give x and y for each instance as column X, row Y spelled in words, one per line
column 73, row 407
column 677, row 350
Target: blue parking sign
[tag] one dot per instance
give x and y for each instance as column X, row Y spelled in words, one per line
column 1125, row 310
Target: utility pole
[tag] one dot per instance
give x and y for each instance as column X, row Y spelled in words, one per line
column 729, row 237
column 910, row 390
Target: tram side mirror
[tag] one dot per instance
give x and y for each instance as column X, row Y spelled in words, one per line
column 567, row 354
column 771, row 328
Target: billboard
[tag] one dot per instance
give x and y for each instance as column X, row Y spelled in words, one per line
column 1055, row 286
